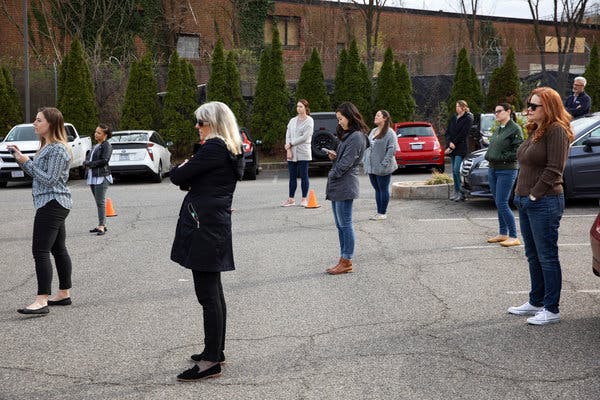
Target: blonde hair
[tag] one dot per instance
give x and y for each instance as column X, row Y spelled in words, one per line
column 58, row 134
column 463, row 104
column 223, row 124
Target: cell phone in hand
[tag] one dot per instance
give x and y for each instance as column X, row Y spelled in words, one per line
column 323, row 149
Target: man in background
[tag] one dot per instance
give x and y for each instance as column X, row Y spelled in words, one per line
column 579, row 103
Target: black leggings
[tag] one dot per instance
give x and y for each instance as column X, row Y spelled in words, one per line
column 49, row 237
column 209, row 292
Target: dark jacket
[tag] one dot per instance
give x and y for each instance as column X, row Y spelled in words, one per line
column 99, row 159
column 502, row 151
column 203, row 234
column 342, row 181
column 457, row 132
column 578, row 106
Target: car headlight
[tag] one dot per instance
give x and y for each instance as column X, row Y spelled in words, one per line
column 484, row 164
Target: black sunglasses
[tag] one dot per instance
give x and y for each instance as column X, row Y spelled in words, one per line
column 534, row 106
column 199, row 122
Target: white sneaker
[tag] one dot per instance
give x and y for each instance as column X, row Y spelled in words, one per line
column 544, row 317
column 525, row 309
column 288, row 203
column 378, row 217
column 453, row 196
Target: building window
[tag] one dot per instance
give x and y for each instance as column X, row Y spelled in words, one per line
column 288, row 27
column 187, row 46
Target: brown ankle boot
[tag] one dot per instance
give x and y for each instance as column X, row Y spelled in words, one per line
column 335, row 266
column 343, row 267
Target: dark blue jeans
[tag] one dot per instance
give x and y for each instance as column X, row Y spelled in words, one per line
column 342, row 214
column 501, row 183
column 456, row 161
column 539, row 222
column 381, row 184
column 295, row 167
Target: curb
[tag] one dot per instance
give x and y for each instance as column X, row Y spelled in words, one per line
column 419, row 191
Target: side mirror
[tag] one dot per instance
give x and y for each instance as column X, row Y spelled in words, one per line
column 589, row 143
column 169, row 143
column 258, row 143
column 70, row 138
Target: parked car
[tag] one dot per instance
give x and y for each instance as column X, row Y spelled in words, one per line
column 324, row 135
column 251, row 168
column 595, row 243
column 418, row 146
column 139, row 152
column 24, row 137
column 581, row 171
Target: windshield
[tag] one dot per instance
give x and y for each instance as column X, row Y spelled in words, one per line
column 21, row 134
column 487, row 120
column 129, row 137
column 414, row 131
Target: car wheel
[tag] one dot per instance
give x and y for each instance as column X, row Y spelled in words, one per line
column 159, row 174
column 81, row 172
column 3, row 184
column 320, row 140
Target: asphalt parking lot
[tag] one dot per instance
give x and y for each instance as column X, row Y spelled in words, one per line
column 422, row 317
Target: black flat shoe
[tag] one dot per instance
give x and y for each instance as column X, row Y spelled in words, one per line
column 94, row 230
column 200, row 357
column 37, row 311
column 64, row 302
column 194, row 373
column 100, row 233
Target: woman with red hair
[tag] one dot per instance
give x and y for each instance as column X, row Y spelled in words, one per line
column 540, row 200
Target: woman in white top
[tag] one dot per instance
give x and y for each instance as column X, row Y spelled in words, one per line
column 297, row 144
column 379, row 161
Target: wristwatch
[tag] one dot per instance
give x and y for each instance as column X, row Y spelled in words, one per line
column 532, row 197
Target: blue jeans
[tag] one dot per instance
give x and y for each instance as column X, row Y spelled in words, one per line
column 539, row 222
column 381, row 184
column 99, row 192
column 294, row 167
column 456, row 161
column 501, row 184
column 342, row 214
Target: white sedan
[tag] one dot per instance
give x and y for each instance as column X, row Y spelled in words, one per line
column 139, row 153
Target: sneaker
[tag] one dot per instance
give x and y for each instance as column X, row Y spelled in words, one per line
column 304, row 203
column 544, row 317
column 453, row 196
column 378, row 217
column 288, row 203
column 511, row 242
column 525, row 309
column 459, row 197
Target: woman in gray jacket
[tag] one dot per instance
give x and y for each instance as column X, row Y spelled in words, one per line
column 380, row 161
column 297, row 144
column 342, row 181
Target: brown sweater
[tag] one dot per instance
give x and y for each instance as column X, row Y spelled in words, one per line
column 542, row 164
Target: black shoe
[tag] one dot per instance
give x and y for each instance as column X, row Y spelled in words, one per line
column 96, row 230
column 100, row 233
column 64, row 302
column 28, row 311
column 200, row 357
column 194, row 373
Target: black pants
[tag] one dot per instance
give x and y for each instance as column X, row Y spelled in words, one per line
column 209, row 292
column 49, row 237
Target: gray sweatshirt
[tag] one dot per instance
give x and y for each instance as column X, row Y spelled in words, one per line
column 380, row 157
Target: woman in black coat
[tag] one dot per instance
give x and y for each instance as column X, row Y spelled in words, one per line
column 98, row 174
column 203, row 236
column 456, row 143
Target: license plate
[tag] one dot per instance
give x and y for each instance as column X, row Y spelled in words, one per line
column 17, row 174
column 123, row 157
column 416, row 146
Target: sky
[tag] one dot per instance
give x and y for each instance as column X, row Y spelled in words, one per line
column 499, row 8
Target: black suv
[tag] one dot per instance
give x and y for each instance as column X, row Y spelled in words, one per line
column 324, row 134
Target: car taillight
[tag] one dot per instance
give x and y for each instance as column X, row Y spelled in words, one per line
column 150, row 153
column 436, row 145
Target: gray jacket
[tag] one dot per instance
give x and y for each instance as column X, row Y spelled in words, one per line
column 342, row 181
column 299, row 136
column 380, row 157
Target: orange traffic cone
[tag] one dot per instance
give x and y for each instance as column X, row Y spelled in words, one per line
column 110, row 211
column 312, row 200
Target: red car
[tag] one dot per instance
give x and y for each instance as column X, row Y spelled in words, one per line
column 419, row 146
column 595, row 242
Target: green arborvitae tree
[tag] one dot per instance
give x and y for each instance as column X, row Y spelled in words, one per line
column 217, row 88
column 12, row 113
column 311, row 85
column 140, row 108
column 76, row 98
column 178, row 125
column 592, row 75
column 466, row 86
column 405, row 93
column 340, row 85
column 387, row 93
column 359, row 86
column 505, row 86
column 271, row 107
column 232, row 77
